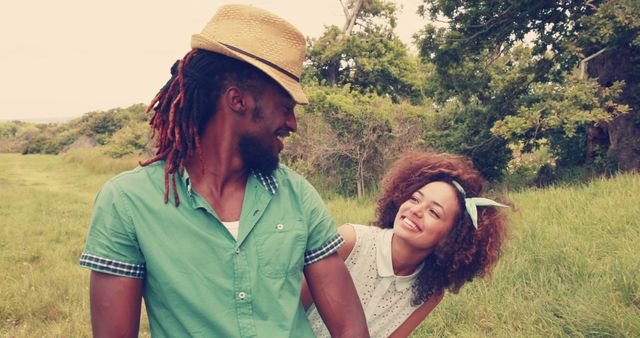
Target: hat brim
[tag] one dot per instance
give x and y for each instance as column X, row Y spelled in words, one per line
column 292, row 86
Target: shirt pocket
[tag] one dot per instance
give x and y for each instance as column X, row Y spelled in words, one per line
column 281, row 247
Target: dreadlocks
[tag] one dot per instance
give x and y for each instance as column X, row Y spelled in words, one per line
column 186, row 103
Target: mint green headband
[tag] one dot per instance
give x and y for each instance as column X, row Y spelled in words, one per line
column 472, row 204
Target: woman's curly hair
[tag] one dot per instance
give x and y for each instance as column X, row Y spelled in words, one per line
column 467, row 252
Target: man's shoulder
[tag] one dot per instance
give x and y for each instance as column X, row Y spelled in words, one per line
column 139, row 177
column 287, row 177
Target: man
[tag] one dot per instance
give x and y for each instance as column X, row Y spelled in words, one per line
column 223, row 256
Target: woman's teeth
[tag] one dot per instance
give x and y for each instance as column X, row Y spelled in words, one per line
column 410, row 224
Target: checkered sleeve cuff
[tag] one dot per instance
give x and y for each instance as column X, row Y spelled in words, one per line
column 111, row 266
column 328, row 248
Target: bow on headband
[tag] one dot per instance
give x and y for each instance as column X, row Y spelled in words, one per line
column 471, row 204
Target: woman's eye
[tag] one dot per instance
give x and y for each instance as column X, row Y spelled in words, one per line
column 413, row 198
column 434, row 213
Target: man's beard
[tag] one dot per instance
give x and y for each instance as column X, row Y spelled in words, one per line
column 256, row 155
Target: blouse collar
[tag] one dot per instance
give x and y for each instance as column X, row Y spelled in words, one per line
column 385, row 264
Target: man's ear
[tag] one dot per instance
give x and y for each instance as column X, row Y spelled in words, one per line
column 239, row 101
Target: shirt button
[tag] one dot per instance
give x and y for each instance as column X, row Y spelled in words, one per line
column 242, row 295
column 237, row 250
column 280, row 226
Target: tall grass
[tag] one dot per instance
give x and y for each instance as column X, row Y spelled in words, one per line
column 570, row 268
column 97, row 162
column 45, row 206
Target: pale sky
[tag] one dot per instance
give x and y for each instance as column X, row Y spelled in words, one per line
column 64, row 58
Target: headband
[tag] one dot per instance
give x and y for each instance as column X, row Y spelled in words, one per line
column 471, row 204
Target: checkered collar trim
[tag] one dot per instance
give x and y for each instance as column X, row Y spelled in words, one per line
column 186, row 180
column 268, row 181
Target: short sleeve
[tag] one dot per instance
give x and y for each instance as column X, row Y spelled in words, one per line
column 111, row 245
column 323, row 238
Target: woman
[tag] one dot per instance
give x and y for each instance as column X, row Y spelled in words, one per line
column 432, row 233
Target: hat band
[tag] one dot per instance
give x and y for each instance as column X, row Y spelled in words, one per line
column 267, row 62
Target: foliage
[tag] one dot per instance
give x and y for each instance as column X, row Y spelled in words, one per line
column 9, row 129
column 563, row 35
column 359, row 132
column 349, row 138
column 557, row 111
column 46, row 139
column 567, row 30
column 529, row 169
column 614, row 24
column 134, row 138
column 370, row 58
column 97, row 127
column 465, row 129
column 565, row 106
column 105, row 124
column 471, row 99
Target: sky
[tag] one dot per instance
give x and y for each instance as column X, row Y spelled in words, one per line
column 61, row 59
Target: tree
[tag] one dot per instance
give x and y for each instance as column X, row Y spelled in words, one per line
column 600, row 37
column 471, row 97
column 464, row 128
column 359, row 130
column 557, row 112
column 348, row 138
column 131, row 139
column 366, row 53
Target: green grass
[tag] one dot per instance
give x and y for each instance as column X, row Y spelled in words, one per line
column 97, row 162
column 571, row 266
column 45, row 206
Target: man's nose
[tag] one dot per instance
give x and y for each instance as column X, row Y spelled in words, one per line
column 292, row 122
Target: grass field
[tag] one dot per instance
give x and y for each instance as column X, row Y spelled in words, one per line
column 570, row 268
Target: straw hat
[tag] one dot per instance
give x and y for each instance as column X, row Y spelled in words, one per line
column 260, row 38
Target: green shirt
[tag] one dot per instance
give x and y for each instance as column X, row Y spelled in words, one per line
column 198, row 280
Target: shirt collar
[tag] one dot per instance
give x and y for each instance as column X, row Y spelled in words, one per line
column 186, row 180
column 385, row 264
column 186, row 183
column 268, row 181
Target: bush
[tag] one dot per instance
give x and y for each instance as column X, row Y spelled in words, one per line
column 465, row 128
column 132, row 139
column 348, row 138
column 38, row 144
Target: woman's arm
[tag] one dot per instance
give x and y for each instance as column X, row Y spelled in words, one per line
column 405, row 329
column 349, row 235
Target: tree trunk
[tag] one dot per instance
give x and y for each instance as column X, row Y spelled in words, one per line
column 623, row 131
column 332, row 75
column 351, row 16
column 360, row 177
column 351, row 11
